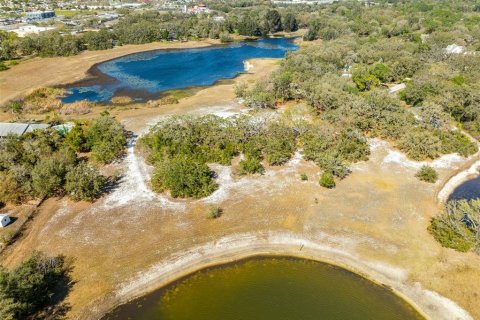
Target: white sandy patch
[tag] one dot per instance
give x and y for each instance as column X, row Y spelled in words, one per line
column 272, row 180
column 133, row 188
column 323, row 247
column 247, row 66
column 457, row 180
column 444, row 162
column 432, row 302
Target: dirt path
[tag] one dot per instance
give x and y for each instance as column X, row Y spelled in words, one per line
column 374, row 222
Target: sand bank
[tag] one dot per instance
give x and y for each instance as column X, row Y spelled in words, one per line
column 235, row 247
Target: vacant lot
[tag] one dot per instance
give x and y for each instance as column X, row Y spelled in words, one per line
column 374, row 222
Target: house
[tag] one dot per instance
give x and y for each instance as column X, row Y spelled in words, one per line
column 18, row 129
column 29, row 29
column 4, row 220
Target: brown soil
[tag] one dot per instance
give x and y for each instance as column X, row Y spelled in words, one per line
column 374, row 222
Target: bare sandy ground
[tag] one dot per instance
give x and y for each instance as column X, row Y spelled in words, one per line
column 375, row 223
column 43, row 72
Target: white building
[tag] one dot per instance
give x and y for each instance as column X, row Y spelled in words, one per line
column 4, row 220
column 30, row 29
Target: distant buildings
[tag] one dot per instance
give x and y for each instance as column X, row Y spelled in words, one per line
column 30, row 29
column 38, row 15
column 196, row 9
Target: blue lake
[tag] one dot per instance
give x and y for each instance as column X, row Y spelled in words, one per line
column 468, row 190
column 144, row 75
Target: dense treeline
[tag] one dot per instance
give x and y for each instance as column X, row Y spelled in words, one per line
column 344, row 80
column 35, row 288
column 181, row 147
column 150, row 26
column 44, row 163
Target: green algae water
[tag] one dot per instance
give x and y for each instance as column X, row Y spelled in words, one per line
column 269, row 288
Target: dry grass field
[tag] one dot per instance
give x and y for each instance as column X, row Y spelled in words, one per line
column 374, row 222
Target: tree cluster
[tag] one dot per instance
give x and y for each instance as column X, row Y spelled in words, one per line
column 44, row 163
column 35, row 288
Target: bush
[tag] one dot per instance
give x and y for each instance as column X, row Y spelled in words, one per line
column 184, row 176
column 33, row 286
column 225, row 37
column 83, row 182
column 76, row 138
column 456, row 237
column 214, row 212
column 327, row 181
column 279, row 144
column 250, row 165
column 47, row 177
column 458, row 227
column 121, row 100
column 420, row 145
column 303, row 177
column 106, row 138
column 427, row 174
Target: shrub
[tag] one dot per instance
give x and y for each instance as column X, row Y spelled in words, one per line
column 251, row 165
column 107, row 139
column 214, row 212
column 122, row 100
column 458, row 227
column 420, row 145
column 184, row 176
column 303, row 177
column 76, row 138
column 225, row 37
column 83, row 182
column 427, row 174
column 279, row 144
column 456, row 237
column 43, row 100
column 327, row 181
column 47, row 177
column 241, row 89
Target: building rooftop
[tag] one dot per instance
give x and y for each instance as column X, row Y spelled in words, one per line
column 18, row 129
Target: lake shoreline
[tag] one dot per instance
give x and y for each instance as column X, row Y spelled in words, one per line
column 239, row 247
column 96, row 77
column 62, row 71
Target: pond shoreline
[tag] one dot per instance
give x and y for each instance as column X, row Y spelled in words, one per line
column 237, row 247
column 467, row 172
column 61, row 71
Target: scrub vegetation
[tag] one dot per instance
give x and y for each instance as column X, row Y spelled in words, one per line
column 45, row 163
column 345, row 77
column 458, row 227
column 427, row 174
column 180, row 148
column 35, row 288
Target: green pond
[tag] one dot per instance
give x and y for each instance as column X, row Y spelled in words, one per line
column 264, row 288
